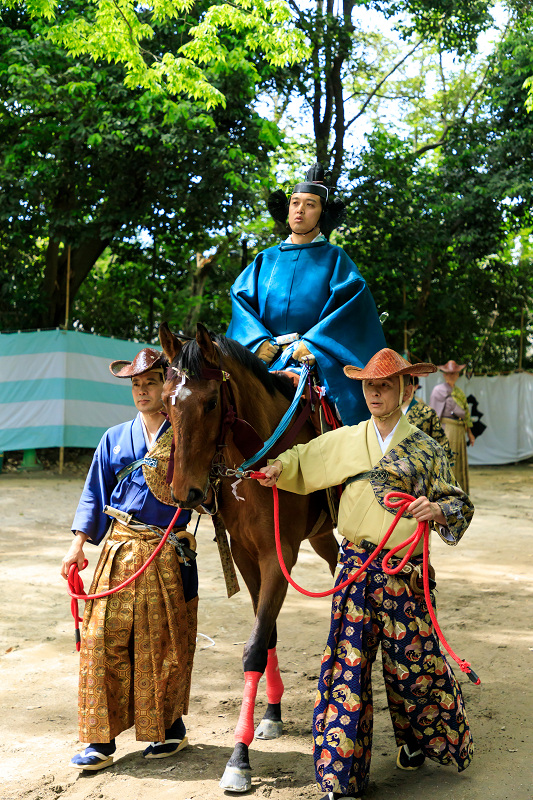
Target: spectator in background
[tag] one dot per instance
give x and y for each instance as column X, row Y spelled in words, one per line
column 452, row 409
column 424, row 417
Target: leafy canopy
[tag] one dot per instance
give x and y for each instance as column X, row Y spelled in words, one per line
column 85, row 161
column 120, row 32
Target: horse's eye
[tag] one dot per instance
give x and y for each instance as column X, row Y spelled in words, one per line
column 211, row 405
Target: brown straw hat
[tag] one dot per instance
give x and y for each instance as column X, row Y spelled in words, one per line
column 144, row 361
column 386, row 364
column 452, row 366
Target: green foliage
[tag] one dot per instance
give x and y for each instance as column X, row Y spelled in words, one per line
column 85, row 160
column 456, row 24
column 439, row 253
column 122, row 32
column 160, row 190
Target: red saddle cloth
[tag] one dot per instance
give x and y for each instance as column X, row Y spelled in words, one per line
column 323, row 415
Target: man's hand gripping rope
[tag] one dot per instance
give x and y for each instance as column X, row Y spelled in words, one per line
column 75, row 583
column 423, row 511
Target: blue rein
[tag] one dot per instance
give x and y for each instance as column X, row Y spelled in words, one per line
column 283, row 425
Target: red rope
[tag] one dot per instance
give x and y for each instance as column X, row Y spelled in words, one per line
column 421, row 532
column 329, row 416
column 75, row 583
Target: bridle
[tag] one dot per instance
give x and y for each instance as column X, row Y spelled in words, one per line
column 245, row 437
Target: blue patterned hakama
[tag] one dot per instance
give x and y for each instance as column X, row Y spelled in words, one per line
column 424, row 697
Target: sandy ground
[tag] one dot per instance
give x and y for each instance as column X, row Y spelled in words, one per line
column 486, row 609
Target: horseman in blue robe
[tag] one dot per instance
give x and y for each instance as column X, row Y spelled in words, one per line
column 304, row 300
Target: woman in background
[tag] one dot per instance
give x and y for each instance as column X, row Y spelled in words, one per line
column 451, row 406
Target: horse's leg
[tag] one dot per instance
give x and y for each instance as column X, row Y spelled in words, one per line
column 238, row 774
column 326, row 546
column 271, row 726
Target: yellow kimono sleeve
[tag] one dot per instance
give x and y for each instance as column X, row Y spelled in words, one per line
column 325, row 461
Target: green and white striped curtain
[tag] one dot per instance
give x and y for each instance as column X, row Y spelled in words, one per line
column 56, row 388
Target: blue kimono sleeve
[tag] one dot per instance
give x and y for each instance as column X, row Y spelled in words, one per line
column 97, row 491
column 349, row 329
column 348, row 332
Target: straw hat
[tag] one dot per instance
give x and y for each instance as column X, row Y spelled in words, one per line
column 144, row 361
column 387, row 364
column 452, row 366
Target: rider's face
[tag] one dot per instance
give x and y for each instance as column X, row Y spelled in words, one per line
column 304, row 212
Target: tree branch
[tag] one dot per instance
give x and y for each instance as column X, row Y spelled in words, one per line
column 376, row 89
column 447, row 125
column 297, row 10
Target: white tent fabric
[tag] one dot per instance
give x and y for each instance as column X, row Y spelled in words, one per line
column 56, row 389
column 506, row 403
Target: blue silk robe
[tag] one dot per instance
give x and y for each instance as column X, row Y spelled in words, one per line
column 118, row 447
column 317, row 291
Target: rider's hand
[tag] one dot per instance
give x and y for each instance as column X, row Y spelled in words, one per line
column 75, row 554
column 267, row 351
column 273, row 471
column 302, row 354
column 423, row 511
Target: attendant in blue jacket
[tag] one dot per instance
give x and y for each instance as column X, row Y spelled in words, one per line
column 304, row 300
column 137, row 645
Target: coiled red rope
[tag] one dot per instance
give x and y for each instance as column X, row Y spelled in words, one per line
column 75, row 583
column 422, row 532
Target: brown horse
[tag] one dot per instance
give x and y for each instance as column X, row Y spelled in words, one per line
column 197, row 407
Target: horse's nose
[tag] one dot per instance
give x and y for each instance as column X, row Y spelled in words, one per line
column 194, row 498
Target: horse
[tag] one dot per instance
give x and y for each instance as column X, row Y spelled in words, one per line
column 202, row 372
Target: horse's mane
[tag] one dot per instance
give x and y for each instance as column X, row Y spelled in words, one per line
column 190, row 360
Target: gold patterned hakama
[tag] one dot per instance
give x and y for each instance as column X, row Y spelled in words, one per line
column 137, row 645
column 456, row 432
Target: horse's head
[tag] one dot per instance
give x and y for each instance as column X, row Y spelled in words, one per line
column 192, row 399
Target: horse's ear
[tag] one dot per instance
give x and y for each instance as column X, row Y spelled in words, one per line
column 206, row 345
column 169, row 342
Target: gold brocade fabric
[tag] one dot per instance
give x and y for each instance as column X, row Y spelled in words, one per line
column 425, row 419
column 455, row 430
column 156, row 477
column 137, row 645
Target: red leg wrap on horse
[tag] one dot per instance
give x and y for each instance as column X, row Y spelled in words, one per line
column 274, row 684
column 244, row 732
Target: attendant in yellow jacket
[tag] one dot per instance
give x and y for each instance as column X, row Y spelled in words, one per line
column 425, row 700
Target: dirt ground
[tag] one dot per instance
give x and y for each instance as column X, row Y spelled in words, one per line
column 485, row 608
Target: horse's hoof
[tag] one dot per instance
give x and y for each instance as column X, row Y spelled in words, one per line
column 236, row 779
column 269, row 729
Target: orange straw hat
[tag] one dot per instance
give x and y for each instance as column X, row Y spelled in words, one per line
column 386, row 364
column 451, row 366
column 146, row 360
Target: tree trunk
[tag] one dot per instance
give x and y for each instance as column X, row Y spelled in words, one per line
column 54, row 285
column 204, row 268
